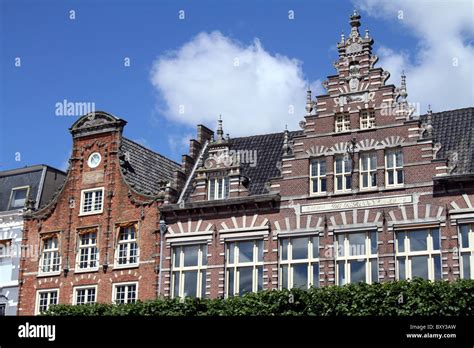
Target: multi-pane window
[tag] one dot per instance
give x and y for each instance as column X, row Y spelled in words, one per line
column 125, row 293
column 87, row 255
column 92, row 201
column 189, row 271
column 356, row 257
column 367, row 119
column 342, row 173
column 368, row 170
column 299, row 262
column 318, row 176
column 5, row 248
column 218, row 188
column 343, row 123
column 50, row 260
column 84, row 295
column 418, row 254
column 127, row 252
column 18, row 197
column 244, row 265
column 46, row 298
column 394, row 167
column 466, row 244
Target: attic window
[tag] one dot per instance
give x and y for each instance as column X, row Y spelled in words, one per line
column 218, row 188
column 18, row 197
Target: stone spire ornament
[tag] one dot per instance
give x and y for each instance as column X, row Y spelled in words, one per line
column 220, row 131
column 309, row 103
column 355, row 24
column 287, row 150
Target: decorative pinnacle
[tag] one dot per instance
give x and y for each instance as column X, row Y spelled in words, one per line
column 367, row 36
column 220, row 131
column 355, row 23
column 403, row 87
column 309, row 103
column 343, row 38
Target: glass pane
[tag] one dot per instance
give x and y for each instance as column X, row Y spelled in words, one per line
column 401, row 241
column 190, row 283
column 341, row 273
column 231, row 282
column 356, row 243
column 464, row 231
column 389, row 160
column 245, row 279
column 203, row 284
column 191, row 255
column 399, row 157
column 323, row 185
column 231, row 251
column 419, row 266
column 316, row 275
column 284, row 248
column 375, row 271
column 348, row 182
column 357, row 271
column 300, row 275
column 374, row 179
column 365, row 180
column 401, row 268
column 259, row 278
column 435, row 236
column 390, row 177
column 339, row 183
column 399, row 176
column 204, row 254
column 176, row 284
column 314, row 168
column 339, row 165
column 19, row 198
column 373, row 242
column 284, row 276
column 418, row 240
column 373, row 161
column 322, row 167
column 466, row 265
column 365, row 160
column 340, row 244
column 176, row 252
column 315, row 241
column 212, row 188
column 245, row 251
column 437, row 267
column 299, row 248
column 260, row 250
column 347, row 165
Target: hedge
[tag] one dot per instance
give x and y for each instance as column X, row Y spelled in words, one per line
column 398, row 298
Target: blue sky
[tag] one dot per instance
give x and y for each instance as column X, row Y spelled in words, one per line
column 82, row 60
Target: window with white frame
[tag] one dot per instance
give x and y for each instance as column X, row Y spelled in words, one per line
column 394, row 167
column 87, row 254
column 5, row 248
column 356, row 257
column 46, row 298
column 85, row 295
column 318, row 176
column 368, row 170
column 466, row 250
column 367, row 119
column 18, row 197
column 50, row 261
column 127, row 252
column 125, row 293
column 418, row 254
column 342, row 173
column 299, row 262
column 218, row 188
column 92, row 201
column 189, row 271
column 244, row 267
column 343, row 123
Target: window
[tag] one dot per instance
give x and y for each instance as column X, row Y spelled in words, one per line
column 244, row 265
column 127, row 253
column 343, row 123
column 50, row 260
column 466, row 244
column 367, row 119
column 356, row 257
column 84, row 295
column 87, row 255
column 46, row 298
column 418, row 254
column 218, row 188
column 394, row 167
column 92, row 201
column 299, row 262
column 189, row 271
column 318, row 176
column 125, row 293
column 5, row 248
column 3, row 307
column 18, row 197
column 368, row 170
column 343, row 174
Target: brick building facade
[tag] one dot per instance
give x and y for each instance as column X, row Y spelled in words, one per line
column 365, row 191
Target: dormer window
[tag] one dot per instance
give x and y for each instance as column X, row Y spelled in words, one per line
column 367, row 119
column 343, row 123
column 218, row 188
column 18, row 197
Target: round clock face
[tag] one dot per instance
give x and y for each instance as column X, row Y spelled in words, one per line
column 94, row 160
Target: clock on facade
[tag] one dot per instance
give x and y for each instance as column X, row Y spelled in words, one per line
column 94, row 160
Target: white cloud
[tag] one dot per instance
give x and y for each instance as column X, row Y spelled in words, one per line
column 252, row 89
column 441, row 70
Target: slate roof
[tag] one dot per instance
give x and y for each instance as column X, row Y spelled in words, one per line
column 454, row 129
column 269, row 152
column 145, row 169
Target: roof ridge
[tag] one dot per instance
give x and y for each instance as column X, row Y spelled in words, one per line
column 261, row 135
column 150, row 150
